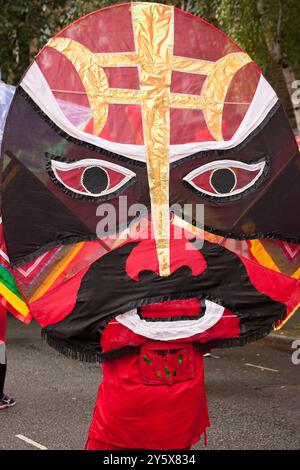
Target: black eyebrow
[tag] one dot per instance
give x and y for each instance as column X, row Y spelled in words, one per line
column 73, row 140
column 234, row 150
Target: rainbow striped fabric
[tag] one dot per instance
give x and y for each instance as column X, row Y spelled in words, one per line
column 11, row 296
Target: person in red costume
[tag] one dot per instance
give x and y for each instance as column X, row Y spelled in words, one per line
column 5, row 401
column 153, row 396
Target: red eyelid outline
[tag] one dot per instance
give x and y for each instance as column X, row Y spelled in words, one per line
column 59, row 166
column 257, row 167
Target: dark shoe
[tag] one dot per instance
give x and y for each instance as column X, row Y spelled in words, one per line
column 6, row 402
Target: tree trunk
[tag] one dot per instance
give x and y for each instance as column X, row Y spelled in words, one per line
column 290, row 80
column 285, row 74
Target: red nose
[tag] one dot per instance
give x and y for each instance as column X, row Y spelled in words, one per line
column 182, row 253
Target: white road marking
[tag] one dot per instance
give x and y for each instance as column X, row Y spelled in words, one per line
column 30, row 441
column 261, row 367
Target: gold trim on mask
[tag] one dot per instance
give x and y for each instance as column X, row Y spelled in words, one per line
column 188, row 65
column 92, row 76
column 153, row 29
column 182, row 100
column 215, row 89
column 117, row 59
column 90, row 65
column 119, row 95
column 153, row 33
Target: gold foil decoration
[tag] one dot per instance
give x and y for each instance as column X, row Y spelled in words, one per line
column 153, row 33
column 117, row 59
column 122, row 96
column 182, row 100
column 216, row 87
column 153, row 28
column 90, row 65
column 92, row 76
column 189, row 65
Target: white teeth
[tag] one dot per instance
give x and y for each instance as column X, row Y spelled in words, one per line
column 175, row 329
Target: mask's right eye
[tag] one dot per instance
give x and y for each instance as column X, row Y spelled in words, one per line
column 225, row 178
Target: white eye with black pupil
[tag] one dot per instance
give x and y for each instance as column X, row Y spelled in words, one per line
column 223, row 178
column 90, row 177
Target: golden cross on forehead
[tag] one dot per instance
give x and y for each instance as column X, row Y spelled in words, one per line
column 153, row 29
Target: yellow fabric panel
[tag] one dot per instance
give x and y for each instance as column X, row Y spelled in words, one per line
column 15, row 301
column 60, row 267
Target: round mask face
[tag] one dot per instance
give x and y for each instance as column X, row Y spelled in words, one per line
column 129, row 113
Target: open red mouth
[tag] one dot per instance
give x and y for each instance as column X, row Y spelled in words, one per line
column 192, row 308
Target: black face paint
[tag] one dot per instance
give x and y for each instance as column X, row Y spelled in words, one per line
column 45, row 215
column 225, row 281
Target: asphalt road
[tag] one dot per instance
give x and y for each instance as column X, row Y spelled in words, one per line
column 250, row 407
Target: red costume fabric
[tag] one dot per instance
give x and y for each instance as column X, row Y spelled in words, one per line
column 153, row 395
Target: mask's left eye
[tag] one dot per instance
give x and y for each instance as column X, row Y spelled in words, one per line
column 89, row 178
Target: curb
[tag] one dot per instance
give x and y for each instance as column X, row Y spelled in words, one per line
column 279, row 342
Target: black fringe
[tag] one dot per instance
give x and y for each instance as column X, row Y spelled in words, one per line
column 84, row 352
column 250, row 236
column 67, row 241
column 238, row 341
column 91, row 352
column 81, row 238
column 117, row 353
column 20, row 91
column 233, row 150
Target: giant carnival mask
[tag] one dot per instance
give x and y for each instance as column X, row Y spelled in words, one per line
column 144, row 106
